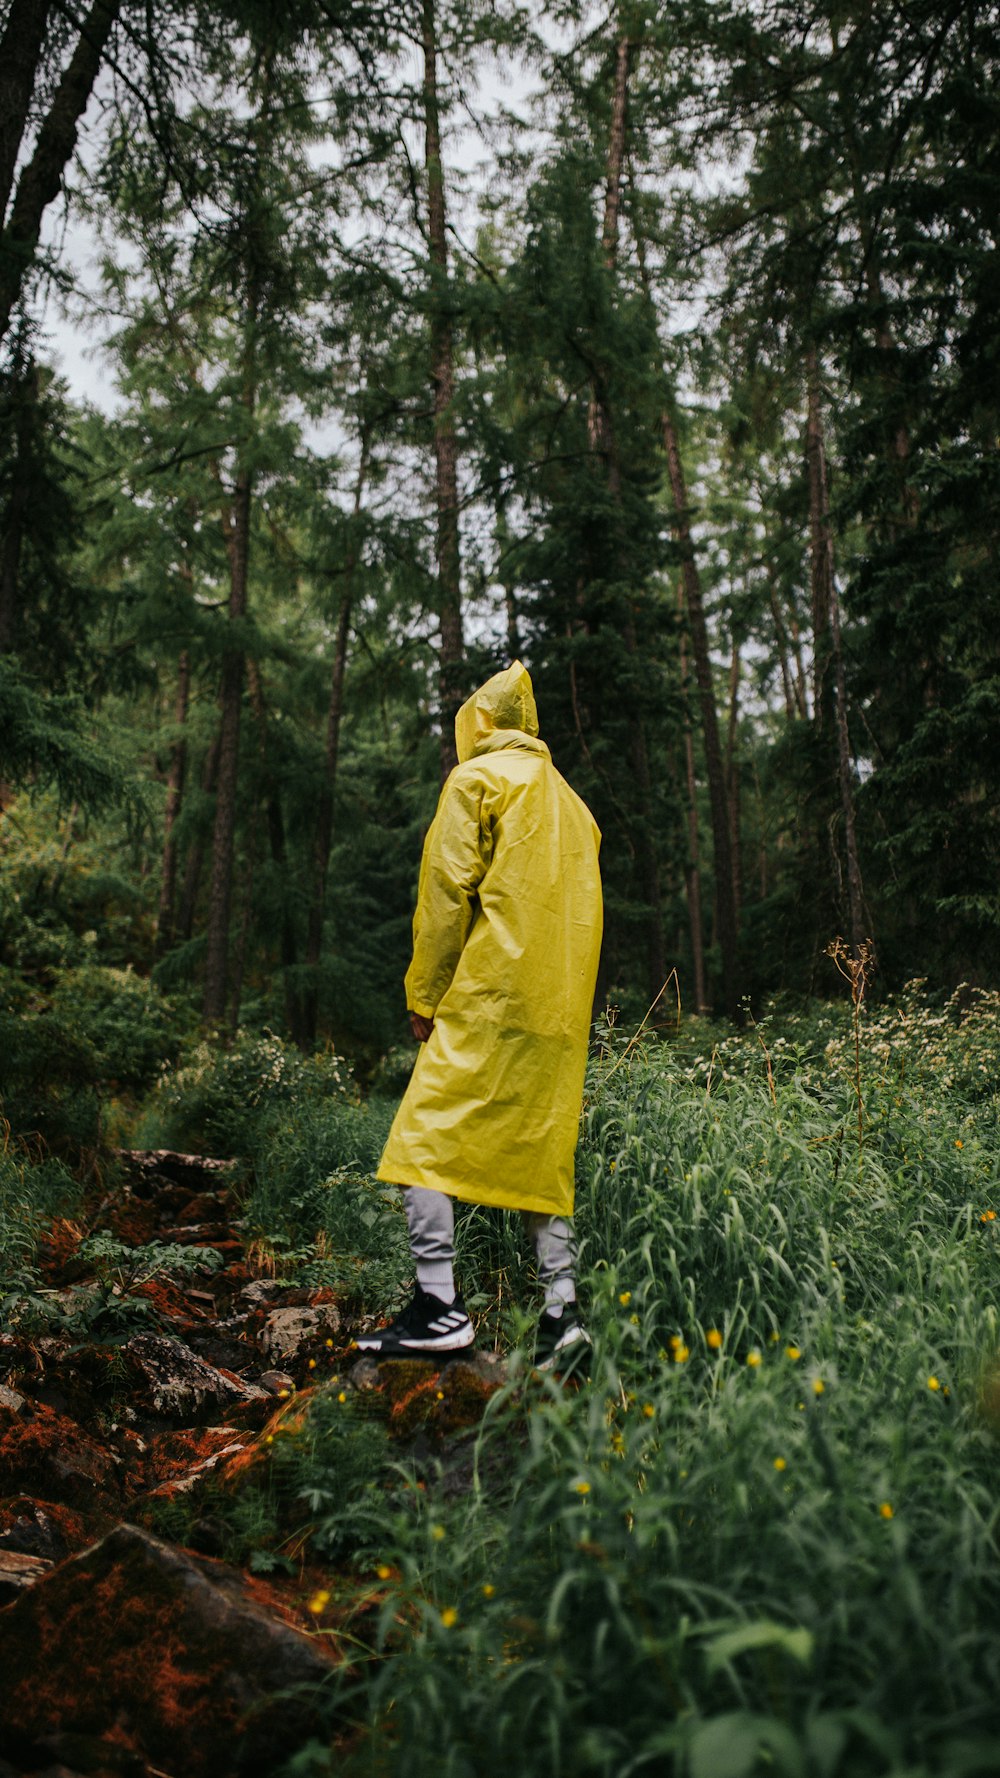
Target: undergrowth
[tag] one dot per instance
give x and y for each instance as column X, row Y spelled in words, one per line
column 764, row 1537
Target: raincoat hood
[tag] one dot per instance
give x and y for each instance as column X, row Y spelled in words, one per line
column 504, row 705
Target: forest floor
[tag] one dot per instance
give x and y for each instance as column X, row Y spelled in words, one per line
column 124, row 1653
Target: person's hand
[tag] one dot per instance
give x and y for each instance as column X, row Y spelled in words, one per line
column 421, row 1027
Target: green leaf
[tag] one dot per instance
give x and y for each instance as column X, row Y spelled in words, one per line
column 763, row 1634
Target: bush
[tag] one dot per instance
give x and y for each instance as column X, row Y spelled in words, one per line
column 217, row 1099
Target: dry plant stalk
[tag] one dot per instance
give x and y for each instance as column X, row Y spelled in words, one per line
column 857, row 966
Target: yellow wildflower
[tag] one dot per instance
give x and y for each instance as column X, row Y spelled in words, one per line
column 449, row 1617
column 488, row 1590
column 713, row 1338
column 818, row 1385
column 932, row 1383
column 634, row 1320
column 886, row 1509
column 753, row 1359
column 959, row 1143
column 793, row 1353
column 582, row 1487
column 342, row 1396
column 648, row 1410
column 681, row 1354
column 329, row 1343
column 312, row 1364
column 780, row 1463
column 383, row 1571
column 437, row 1532
column 319, row 1602
column 625, row 1297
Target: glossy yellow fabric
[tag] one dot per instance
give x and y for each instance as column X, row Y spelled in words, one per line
column 506, row 939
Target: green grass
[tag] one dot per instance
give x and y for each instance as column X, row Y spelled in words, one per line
column 763, row 1538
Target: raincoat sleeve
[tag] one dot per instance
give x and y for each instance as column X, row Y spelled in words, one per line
column 457, row 854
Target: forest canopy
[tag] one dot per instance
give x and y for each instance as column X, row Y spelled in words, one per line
column 657, row 346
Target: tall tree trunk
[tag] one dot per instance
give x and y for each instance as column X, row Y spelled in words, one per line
column 20, row 55
column 732, row 776
column 830, row 698
column 175, row 794
column 278, row 847
column 324, row 824
column 246, row 919
column 791, row 667
column 324, row 820
column 726, row 913
column 42, row 177
column 820, row 554
column 692, row 868
column 602, row 433
column 220, row 891
column 452, row 644
column 195, row 862
column 22, row 395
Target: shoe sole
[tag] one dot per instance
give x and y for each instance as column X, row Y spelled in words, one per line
column 460, row 1341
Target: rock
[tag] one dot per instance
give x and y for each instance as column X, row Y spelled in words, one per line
column 10, row 1401
column 277, row 1382
column 43, row 1452
column 18, row 1571
column 261, row 1291
column 179, row 1460
column 41, row 1528
column 288, row 1331
column 180, row 1386
column 170, row 1654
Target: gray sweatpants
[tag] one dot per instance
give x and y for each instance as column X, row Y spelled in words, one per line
column 430, row 1216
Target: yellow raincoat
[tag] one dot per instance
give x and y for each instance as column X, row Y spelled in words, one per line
column 506, row 939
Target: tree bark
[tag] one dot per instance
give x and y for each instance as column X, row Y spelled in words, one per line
column 195, row 862
column 324, row 823
column 220, row 893
column 17, row 506
column 278, row 847
column 42, row 177
column 603, row 439
column 830, row 697
column 732, row 776
column 820, row 554
column 20, row 55
column 175, row 794
column 692, row 867
column 452, row 643
column 726, row 913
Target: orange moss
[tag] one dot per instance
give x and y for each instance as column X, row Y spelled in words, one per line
column 44, row 1452
column 57, row 1247
column 173, row 1455
column 170, row 1302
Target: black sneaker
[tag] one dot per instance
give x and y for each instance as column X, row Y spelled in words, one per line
column 425, row 1325
column 562, row 1343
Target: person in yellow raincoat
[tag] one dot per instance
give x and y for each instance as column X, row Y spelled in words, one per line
column 506, row 939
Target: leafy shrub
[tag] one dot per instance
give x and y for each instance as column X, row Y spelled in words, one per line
column 132, row 1029
column 215, row 1100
